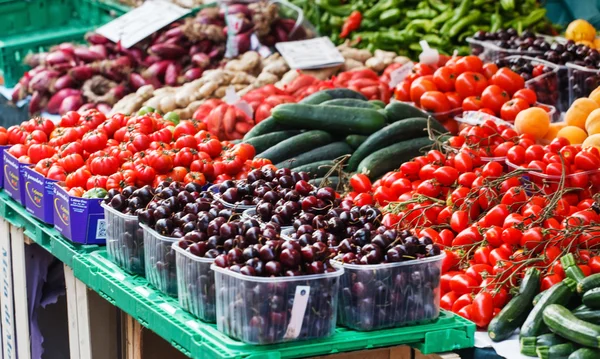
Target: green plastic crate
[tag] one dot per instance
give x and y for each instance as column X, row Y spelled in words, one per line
column 44, row 235
column 197, row 339
column 30, row 26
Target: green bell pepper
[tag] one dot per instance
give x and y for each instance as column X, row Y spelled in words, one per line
column 95, row 192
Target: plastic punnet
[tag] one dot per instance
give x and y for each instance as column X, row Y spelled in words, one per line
column 261, row 310
column 159, row 261
column 124, row 240
column 488, row 51
column 389, row 295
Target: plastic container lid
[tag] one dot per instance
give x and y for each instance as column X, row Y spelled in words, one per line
column 117, row 213
column 337, row 273
column 439, row 257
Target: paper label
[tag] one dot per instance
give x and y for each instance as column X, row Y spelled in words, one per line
column 142, row 22
column 314, row 53
column 232, row 98
column 298, row 309
column 399, row 74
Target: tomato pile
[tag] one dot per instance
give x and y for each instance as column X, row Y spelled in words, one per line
column 466, row 84
column 90, row 150
column 493, row 221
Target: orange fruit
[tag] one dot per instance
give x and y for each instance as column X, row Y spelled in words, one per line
column 595, row 95
column 579, row 111
column 534, row 121
column 593, row 140
column 553, row 130
column 579, row 30
column 574, row 134
column 592, row 123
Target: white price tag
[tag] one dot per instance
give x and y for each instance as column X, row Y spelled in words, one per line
column 142, row 22
column 399, row 74
column 298, row 309
column 314, row 53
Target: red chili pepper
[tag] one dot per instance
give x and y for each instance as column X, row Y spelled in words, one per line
column 352, row 23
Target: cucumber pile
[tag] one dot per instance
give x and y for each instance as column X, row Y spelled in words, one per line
column 562, row 322
column 310, row 135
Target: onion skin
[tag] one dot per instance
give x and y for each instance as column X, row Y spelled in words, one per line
column 86, row 55
column 157, row 69
column 37, row 103
column 172, row 74
column 42, row 81
column 136, row 80
column 167, row 51
column 82, row 73
column 193, row 74
column 96, row 39
column 87, row 106
column 57, row 57
column 63, row 82
column 71, row 103
column 57, row 99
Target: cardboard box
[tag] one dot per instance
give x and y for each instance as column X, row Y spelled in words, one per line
column 39, row 195
column 13, row 177
column 80, row 220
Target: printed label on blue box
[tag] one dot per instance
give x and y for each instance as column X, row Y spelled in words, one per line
column 39, row 195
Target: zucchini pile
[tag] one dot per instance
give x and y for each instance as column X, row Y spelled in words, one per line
column 562, row 322
column 309, row 135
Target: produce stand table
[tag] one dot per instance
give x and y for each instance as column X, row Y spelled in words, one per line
column 86, row 266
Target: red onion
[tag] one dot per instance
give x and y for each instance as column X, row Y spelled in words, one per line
column 43, row 81
column 193, row 74
column 201, row 47
column 104, row 108
column 173, row 40
column 63, row 82
column 154, row 81
column 150, row 60
column 216, row 52
column 71, row 103
column 100, row 49
column 201, row 60
column 82, row 73
column 137, row 80
column 172, row 74
column 33, row 60
column 87, row 55
column 174, row 32
column 135, row 54
column 19, row 93
column 37, row 102
column 281, row 34
column 57, row 57
column 243, row 42
column 57, row 99
column 118, row 91
column 96, row 39
column 67, row 47
column 157, row 69
column 87, row 106
column 168, row 51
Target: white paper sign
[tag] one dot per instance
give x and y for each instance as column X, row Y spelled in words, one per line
column 310, row 54
column 142, row 22
column 399, row 74
column 299, row 307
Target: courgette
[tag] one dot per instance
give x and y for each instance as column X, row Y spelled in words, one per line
column 266, row 141
column 562, row 322
column 515, row 312
column 356, row 140
column 537, row 297
column 549, row 340
column 585, row 353
column 390, row 158
column 331, row 181
column 296, row 145
column 393, row 133
column 591, row 298
column 349, row 102
column 398, row 111
column 558, row 351
column 378, row 103
column 571, row 269
column 318, row 169
column 560, row 293
column 335, row 119
column 265, row 126
column 587, row 314
column 327, row 152
column 587, row 283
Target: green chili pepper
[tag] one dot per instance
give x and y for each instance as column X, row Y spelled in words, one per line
column 336, row 21
column 461, row 11
column 441, row 18
column 402, row 24
column 507, row 5
column 369, row 24
column 415, row 47
column 496, row 21
column 95, row 192
column 478, row 3
column 421, row 14
column 423, row 24
column 390, row 16
column 534, row 17
column 433, row 40
column 325, row 18
column 381, row 6
column 439, row 5
column 463, row 23
column 337, row 10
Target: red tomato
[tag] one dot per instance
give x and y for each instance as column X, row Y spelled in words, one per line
column 526, row 94
column 470, row 84
column 514, row 198
column 587, row 270
column 469, row 63
column 500, row 296
column 384, row 195
column 482, row 309
column 481, row 255
column 94, row 140
column 499, row 254
column 434, row 102
column 448, row 300
column 510, row 109
column 532, row 239
column 466, row 312
column 494, row 237
column 444, row 78
column 508, row 80
column 493, row 97
column 450, row 261
column 419, row 87
column 489, row 69
column 550, row 280
column 594, row 264
column 462, row 301
column 478, row 271
column 472, row 103
column 459, row 221
column 360, row 183
column 454, row 99
column 446, row 175
column 402, row 91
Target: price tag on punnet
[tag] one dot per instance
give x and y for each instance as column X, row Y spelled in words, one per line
column 399, row 74
column 232, row 98
column 142, row 22
column 310, row 54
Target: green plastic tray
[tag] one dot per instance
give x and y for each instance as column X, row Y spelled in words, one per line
column 31, row 26
column 41, row 233
column 197, row 339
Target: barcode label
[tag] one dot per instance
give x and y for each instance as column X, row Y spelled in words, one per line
column 101, row 229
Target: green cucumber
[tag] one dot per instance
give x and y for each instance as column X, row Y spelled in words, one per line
column 515, row 312
column 264, row 142
column 393, row 133
column 537, row 297
column 265, row 126
column 296, row 145
column 562, row 322
column 316, row 98
column 335, row 119
column 349, row 102
column 398, row 111
column 331, row 181
column 344, row 93
column 588, row 283
column 591, row 298
column 356, row 140
column 560, row 293
column 327, row 152
column 585, row 353
column 558, row 351
column 587, row 314
column 549, row 340
column 318, row 169
column 378, row 103
column 390, row 158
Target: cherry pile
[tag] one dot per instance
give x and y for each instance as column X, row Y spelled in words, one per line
column 510, row 39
